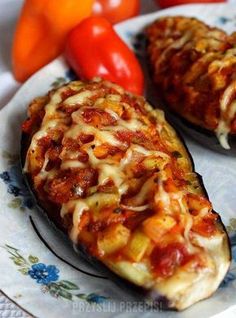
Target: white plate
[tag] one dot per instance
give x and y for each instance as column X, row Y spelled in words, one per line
column 30, row 246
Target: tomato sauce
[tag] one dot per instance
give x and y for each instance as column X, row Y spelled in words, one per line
column 166, row 259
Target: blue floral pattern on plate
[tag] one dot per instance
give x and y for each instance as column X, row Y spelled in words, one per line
column 15, row 185
column 44, row 274
column 223, row 20
column 48, row 277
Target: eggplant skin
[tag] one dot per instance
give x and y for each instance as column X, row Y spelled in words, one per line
column 160, row 295
column 203, row 136
column 192, row 66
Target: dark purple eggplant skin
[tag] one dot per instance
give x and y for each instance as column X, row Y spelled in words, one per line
column 202, row 135
column 138, row 294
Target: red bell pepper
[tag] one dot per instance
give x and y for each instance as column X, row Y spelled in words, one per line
column 94, row 49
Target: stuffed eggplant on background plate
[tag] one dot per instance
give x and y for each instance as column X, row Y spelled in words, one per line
column 109, row 171
column 193, row 67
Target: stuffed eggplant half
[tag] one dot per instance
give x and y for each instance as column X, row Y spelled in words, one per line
column 111, row 173
column 194, row 68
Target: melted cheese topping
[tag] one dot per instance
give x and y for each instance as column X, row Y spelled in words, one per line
column 95, row 152
column 109, row 169
column 101, row 156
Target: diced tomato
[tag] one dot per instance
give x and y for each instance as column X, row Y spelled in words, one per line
column 137, row 137
column 166, row 259
column 70, row 143
column 124, row 136
column 72, row 150
column 112, row 150
column 206, row 226
column 83, row 157
column 178, row 172
column 59, row 190
column 54, row 152
column 139, row 107
column 134, row 219
column 53, row 156
column 44, row 144
column 98, row 116
column 85, row 138
column 86, row 178
column 65, row 94
column 63, row 188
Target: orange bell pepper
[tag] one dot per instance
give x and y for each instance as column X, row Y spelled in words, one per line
column 41, row 32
